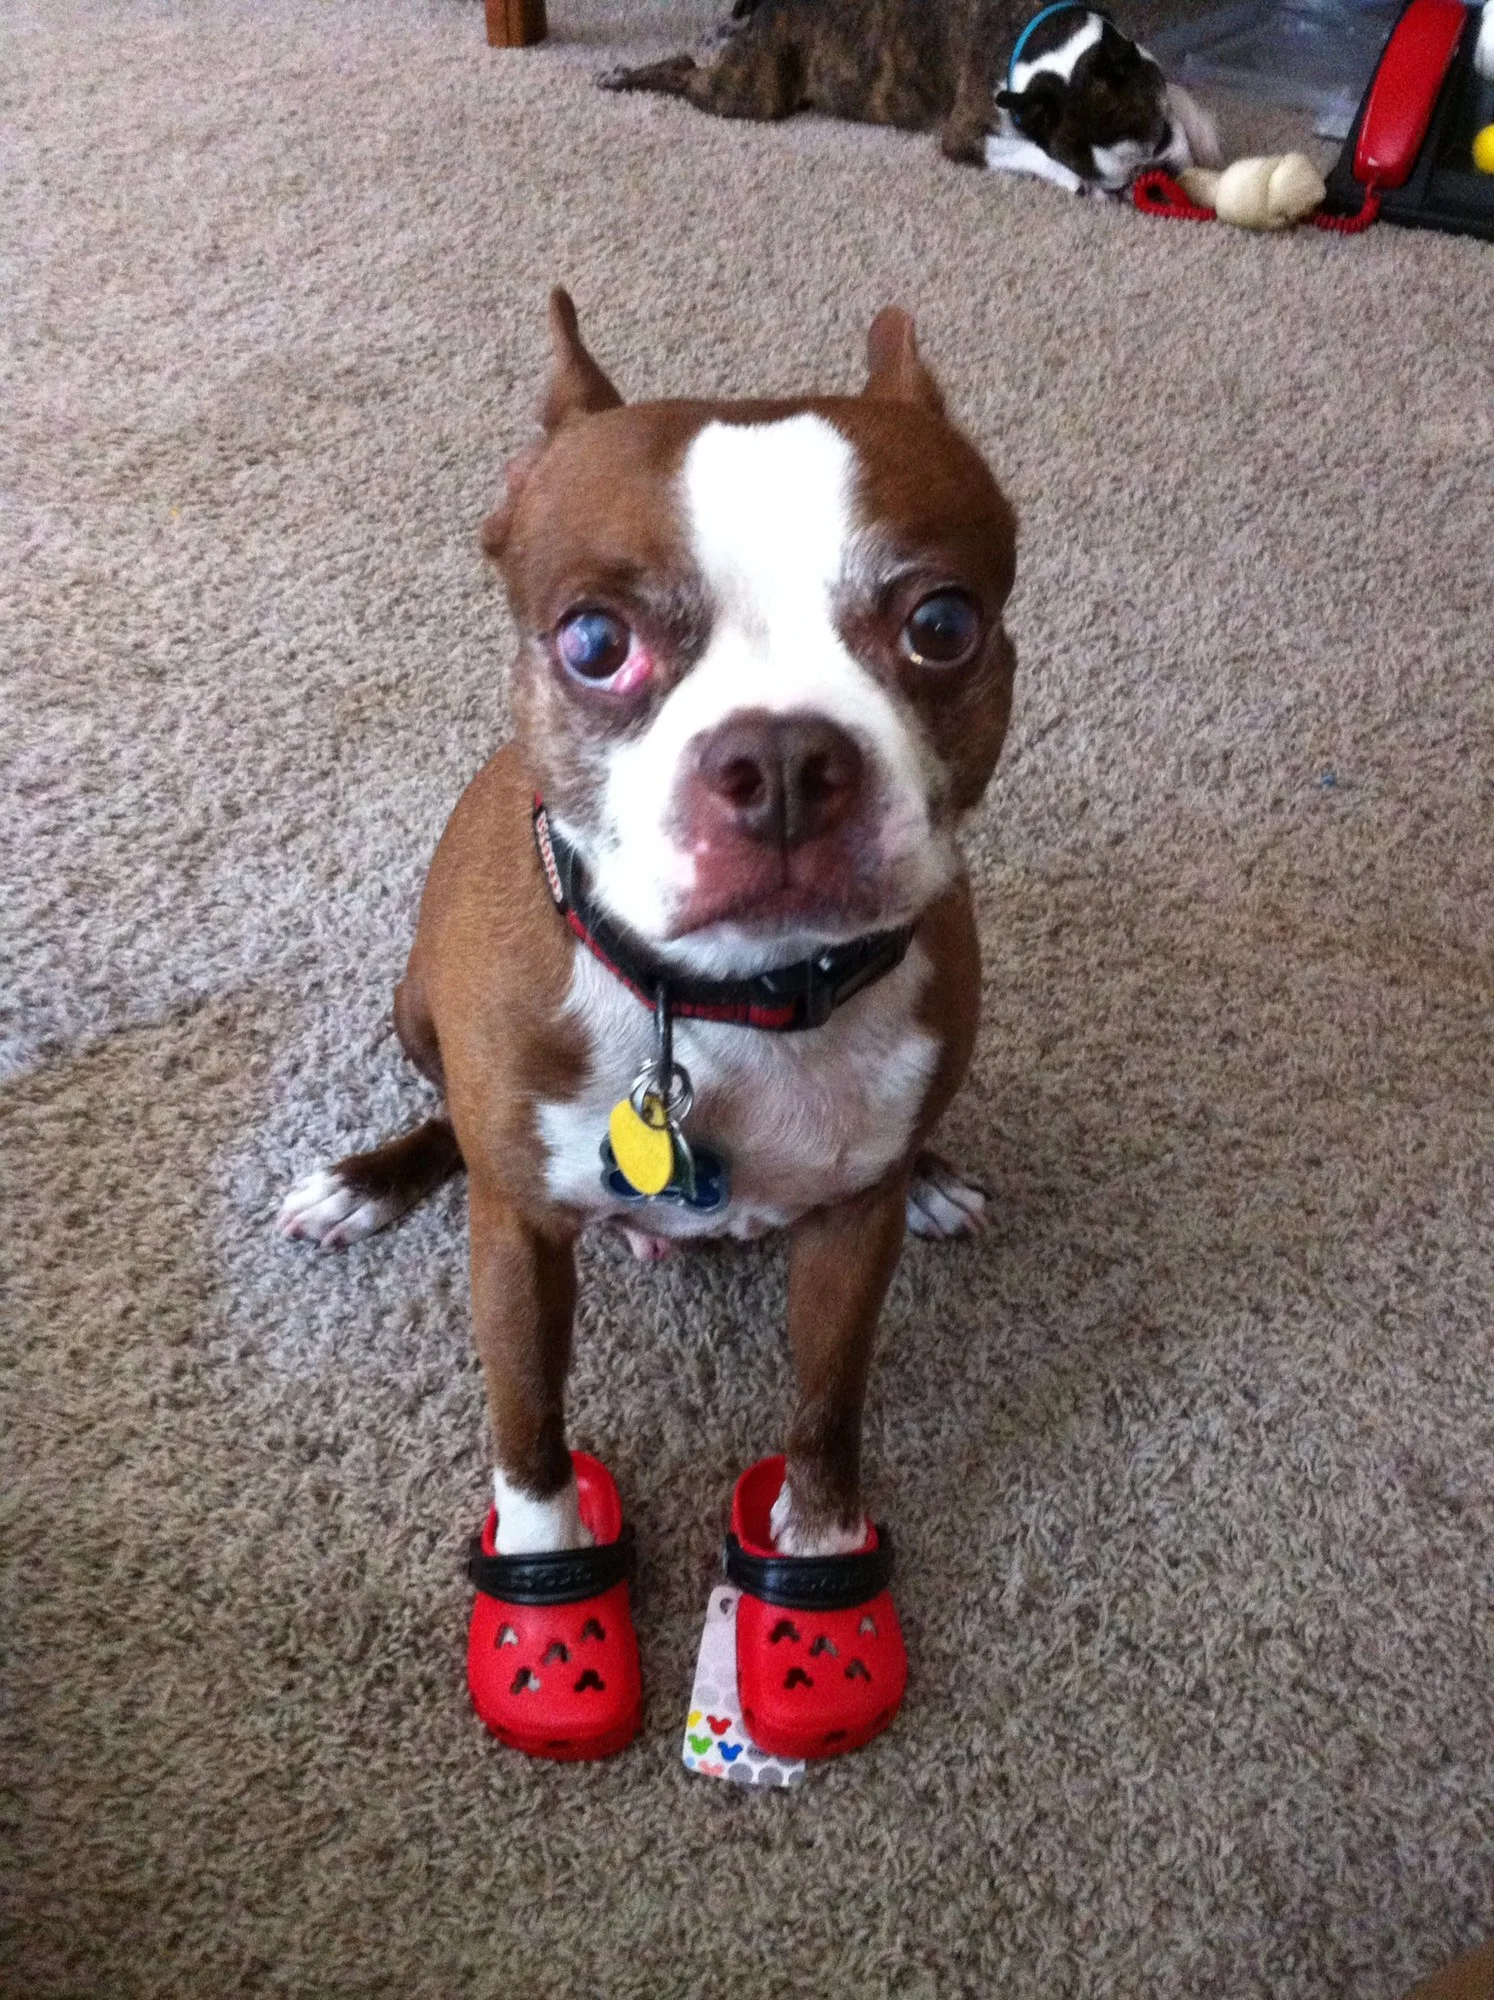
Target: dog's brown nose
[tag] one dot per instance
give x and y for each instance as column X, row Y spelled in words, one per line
column 778, row 779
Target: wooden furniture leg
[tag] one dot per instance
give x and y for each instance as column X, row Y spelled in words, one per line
column 515, row 24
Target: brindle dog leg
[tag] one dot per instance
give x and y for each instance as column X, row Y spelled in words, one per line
column 759, row 74
column 841, row 1262
column 972, row 116
column 666, row 78
column 962, row 137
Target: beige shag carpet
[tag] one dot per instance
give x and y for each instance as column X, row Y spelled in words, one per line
column 1190, row 1459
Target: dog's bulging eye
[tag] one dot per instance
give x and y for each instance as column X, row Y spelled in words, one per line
column 943, row 631
column 596, row 647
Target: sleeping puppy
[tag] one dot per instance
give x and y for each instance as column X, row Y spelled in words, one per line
column 1078, row 103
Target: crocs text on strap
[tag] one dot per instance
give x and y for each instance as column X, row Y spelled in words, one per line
column 562, row 1576
column 811, row 1583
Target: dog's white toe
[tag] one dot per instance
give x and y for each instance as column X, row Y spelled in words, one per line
column 941, row 1203
column 323, row 1209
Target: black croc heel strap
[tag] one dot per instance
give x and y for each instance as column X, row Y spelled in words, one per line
column 811, row 1583
column 567, row 1576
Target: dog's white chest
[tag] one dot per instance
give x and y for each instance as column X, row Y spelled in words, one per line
column 800, row 1119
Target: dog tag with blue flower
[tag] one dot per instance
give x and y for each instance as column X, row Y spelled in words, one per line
column 646, row 1156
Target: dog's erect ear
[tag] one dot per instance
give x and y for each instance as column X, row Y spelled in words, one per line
column 894, row 372
column 578, row 388
column 1116, row 53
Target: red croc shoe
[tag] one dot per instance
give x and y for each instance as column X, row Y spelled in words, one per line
column 820, row 1661
column 552, row 1659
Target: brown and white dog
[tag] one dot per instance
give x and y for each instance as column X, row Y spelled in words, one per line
column 762, row 676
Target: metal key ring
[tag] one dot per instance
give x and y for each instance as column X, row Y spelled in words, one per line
column 678, row 1094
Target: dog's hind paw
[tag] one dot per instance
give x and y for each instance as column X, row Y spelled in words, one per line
column 323, row 1208
column 942, row 1204
column 668, row 77
column 342, row 1204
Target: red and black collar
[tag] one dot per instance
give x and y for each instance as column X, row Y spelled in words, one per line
column 790, row 997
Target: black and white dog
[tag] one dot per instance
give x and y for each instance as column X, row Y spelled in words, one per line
column 1076, row 101
column 1089, row 110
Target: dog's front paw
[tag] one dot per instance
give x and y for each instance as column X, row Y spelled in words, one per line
column 528, row 1527
column 793, row 1536
column 942, row 1204
column 325, row 1209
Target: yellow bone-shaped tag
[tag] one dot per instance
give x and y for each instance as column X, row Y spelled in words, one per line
column 643, row 1146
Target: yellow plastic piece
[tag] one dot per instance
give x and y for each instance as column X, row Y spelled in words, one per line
column 1483, row 150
